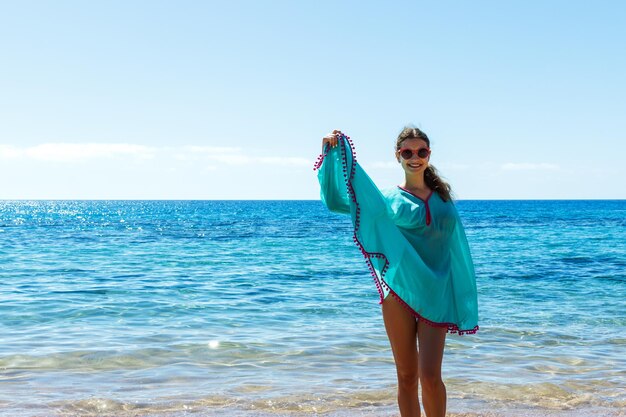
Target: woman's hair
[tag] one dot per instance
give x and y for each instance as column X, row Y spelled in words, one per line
column 431, row 175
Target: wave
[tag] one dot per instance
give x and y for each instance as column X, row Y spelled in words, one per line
column 528, row 400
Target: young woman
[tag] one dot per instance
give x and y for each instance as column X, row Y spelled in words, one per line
column 414, row 244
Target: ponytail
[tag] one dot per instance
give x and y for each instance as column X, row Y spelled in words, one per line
column 435, row 183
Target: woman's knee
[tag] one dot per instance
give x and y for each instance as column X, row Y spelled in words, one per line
column 408, row 378
column 430, row 379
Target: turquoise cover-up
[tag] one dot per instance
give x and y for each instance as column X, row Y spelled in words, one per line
column 415, row 249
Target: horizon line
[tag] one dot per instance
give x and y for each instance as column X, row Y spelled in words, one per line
column 291, row 199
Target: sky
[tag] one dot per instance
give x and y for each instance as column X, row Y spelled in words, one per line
column 231, row 99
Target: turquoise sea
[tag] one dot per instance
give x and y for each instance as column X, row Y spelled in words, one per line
column 264, row 308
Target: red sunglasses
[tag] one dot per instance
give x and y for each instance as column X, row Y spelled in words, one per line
column 407, row 153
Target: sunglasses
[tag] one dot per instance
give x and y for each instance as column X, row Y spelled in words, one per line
column 407, row 153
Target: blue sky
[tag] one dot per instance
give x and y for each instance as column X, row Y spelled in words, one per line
column 230, row 100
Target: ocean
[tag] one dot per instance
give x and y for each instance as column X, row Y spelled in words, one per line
column 264, row 308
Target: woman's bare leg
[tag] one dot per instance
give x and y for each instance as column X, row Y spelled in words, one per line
column 401, row 329
column 431, row 345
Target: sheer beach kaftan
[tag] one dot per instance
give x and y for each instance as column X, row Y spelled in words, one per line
column 416, row 249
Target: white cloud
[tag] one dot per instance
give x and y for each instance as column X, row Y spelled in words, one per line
column 209, row 149
column 72, row 152
column 230, row 159
column 64, row 152
column 235, row 156
column 285, row 161
column 195, row 153
column 233, row 159
column 529, row 166
column 9, row 152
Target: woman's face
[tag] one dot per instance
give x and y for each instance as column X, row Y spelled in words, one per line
column 416, row 164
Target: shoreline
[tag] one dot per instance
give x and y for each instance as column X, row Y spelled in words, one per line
column 366, row 403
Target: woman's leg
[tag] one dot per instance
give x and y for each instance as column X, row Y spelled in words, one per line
column 401, row 329
column 431, row 344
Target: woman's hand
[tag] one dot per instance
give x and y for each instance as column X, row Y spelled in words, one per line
column 331, row 138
